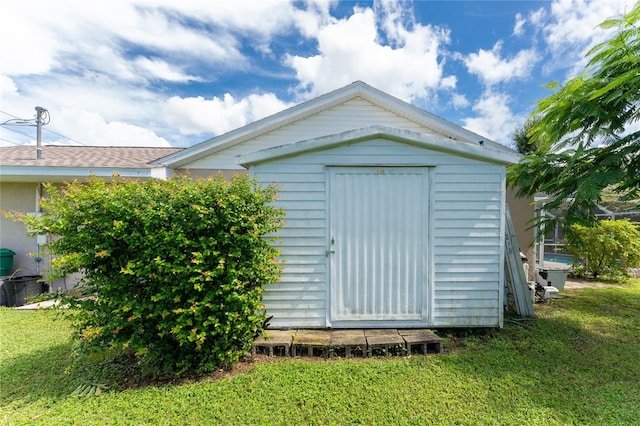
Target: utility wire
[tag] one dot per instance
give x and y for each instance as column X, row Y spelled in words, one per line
column 10, row 115
column 18, row 132
column 44, row 128
column 7, row 140
column 17, row 121
column 63, row 136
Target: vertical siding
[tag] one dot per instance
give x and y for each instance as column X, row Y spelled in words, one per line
column 466, row 204
column 378, row 233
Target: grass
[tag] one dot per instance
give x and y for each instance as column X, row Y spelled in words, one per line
column 576, row 363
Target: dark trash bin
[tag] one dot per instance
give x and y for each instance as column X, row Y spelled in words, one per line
column 17, row 289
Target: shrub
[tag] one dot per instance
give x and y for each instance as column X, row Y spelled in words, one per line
column 607, row 249
column 175, row 269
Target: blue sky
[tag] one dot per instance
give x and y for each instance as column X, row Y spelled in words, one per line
column 167, row 73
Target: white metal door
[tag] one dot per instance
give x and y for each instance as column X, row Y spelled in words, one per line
column 378, row 243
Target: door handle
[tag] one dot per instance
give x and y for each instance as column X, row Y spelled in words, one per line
column 329, row 251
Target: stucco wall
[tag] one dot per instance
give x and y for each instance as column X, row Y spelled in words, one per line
column 521, row 213
column 13, row 235
column 19, row 197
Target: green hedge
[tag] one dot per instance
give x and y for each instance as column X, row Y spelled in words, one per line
column 607, row 249
column 175, row 268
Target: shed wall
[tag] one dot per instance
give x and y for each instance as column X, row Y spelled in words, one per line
column 467, row 204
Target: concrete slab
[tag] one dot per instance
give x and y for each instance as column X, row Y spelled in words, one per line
column 380, row 332
column 40, row 305
column 353, row 337
column 421, row 341
column 312, row 337
column 386, row 340
column 274, row 342
column 348, row 343
column 423, row 333
column 311, row 342
column 385, row 343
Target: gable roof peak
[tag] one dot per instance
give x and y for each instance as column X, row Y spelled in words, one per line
column 321, row 103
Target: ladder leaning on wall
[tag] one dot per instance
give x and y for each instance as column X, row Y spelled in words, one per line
column 517, row 283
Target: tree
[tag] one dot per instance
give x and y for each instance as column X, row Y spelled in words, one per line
column 607, row 249
column 524, row 143
column 173, row 270
column 587, row 130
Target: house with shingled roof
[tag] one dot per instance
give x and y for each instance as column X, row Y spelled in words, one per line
column 21, row 176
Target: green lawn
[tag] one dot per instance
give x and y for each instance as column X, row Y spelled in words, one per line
column 577, row 363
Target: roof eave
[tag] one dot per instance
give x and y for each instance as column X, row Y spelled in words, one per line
column 61, row 174
column 323, row 102
column 264, row 125
column 481, row 152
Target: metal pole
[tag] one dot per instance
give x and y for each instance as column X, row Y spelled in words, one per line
column 39, row 111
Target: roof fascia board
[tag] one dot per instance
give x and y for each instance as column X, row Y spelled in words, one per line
column 321, row 103
column 54, row 174
column 265, row 125
column 480, row 152
column 426, row 119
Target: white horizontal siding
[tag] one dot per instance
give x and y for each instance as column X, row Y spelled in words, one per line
column 353, row 114
column 466, row 210
column 299, row 298
column 462, row 287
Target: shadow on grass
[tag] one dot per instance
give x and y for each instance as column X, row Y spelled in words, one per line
column 36, row 375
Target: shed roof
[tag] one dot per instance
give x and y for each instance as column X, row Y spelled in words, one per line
column 478, row 151
column 322, row 103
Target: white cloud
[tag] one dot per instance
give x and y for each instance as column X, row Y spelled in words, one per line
column 571, row 29
column 310, row 20
column 459, row 101
column 91, row 129
column 7, row 87
column 491, row 68
column 494, row 118
column 40, row 43
column 103, row 60
column 409, row 66
column 537, row 17
column 518, row 28
column 157, row 68
column 196, row 115
column 127, row 61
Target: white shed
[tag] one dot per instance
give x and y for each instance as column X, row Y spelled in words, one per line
column 394, row 217
column 387, row 228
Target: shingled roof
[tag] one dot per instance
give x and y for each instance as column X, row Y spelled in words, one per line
column 62, row 163
column 84, row 156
